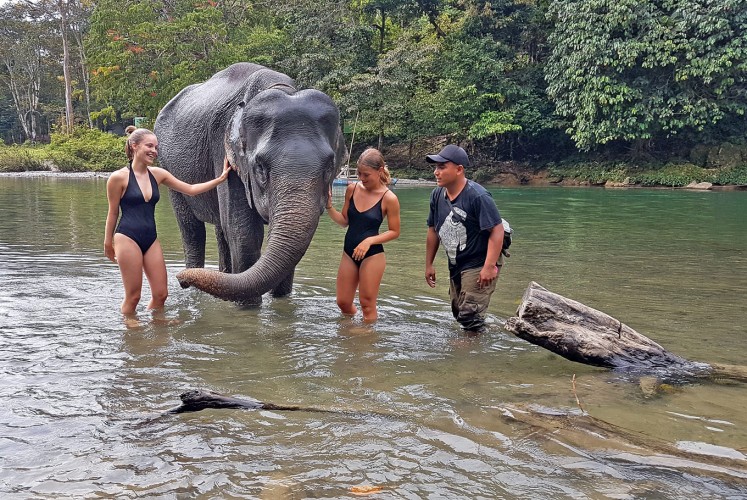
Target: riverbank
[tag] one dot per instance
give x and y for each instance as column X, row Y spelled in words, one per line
column 56, row 173
column 536, row 179
column 92, row 153
column 711, row 168
column 105, row 175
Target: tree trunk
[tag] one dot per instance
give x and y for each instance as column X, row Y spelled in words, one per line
column 582, row 334
column 77, row 30
column 69, row 118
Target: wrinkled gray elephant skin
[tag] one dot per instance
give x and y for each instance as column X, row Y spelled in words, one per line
column 286, row 146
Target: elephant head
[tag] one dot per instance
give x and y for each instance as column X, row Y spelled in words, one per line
column 286, row 147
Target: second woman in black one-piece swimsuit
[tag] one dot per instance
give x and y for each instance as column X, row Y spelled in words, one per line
column 363, row 242
column 361, row 225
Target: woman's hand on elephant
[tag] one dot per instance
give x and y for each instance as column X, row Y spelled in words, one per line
column 226, row 169
column 329, row 199
column 361, row 250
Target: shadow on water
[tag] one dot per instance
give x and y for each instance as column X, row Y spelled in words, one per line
column 79, row 379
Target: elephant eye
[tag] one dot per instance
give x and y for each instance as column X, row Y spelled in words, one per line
column 260, row 170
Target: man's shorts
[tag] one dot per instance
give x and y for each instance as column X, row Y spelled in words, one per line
column 469, row 301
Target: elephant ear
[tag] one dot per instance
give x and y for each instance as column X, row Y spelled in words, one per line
column 235, row 146
column 341, row 150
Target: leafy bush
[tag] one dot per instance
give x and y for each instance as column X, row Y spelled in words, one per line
column 22, row 158
column 66, row 162
column 672, row 175
column 87, row 149
column 591, row 172
column 736, row 175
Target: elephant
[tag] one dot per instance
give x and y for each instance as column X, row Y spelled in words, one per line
column 285, row 145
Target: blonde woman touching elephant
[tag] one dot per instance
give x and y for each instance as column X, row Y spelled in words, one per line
column 132, row 242
column 367, row 203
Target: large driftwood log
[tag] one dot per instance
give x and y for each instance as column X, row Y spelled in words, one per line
column 585, row 335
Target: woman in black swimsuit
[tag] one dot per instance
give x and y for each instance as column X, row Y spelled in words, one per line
column 367, row 204
column 134, row 245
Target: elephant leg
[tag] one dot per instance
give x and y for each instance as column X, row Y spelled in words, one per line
column 243, row 229
column 285, row 287
column 224, row 251
column 192, row 230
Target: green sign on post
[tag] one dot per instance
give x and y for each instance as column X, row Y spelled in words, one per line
column 139, row 121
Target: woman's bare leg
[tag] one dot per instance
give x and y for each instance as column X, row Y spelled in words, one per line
column 347, row 283
column 371, row 273
column 130, row 261
column 155, row 270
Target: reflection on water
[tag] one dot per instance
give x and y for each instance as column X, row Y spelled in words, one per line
column 84, row 392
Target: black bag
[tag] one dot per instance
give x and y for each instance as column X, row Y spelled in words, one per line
column 507, row 234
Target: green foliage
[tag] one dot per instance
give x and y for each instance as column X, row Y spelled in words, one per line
column 650, row 175
column 91, row 150
column 145, row 53
column 731, row 176
column 592, row 172
column 84, row 150
column 492, row 124
column 621, row 74
column 671, row 175
column 106, row 116
column 22, row 158
column 636, row 70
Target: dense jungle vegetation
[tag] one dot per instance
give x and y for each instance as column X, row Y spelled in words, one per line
column 649, row 92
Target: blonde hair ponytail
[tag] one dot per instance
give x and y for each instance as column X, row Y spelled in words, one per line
column 384, row 175
column 373, row 158
column 134, row 136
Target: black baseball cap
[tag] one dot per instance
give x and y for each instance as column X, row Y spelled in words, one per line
column 452, row 152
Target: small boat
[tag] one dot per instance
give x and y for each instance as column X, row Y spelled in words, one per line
column 342, row 181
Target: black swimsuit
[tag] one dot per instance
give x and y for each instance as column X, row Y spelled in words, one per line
column 138, row 221
column 361, row 225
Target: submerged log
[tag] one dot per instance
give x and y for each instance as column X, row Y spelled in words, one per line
column 581, row 431
column 585, row 335
column 199, row 399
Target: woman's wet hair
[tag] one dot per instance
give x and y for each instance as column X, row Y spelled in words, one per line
column 372, row 158
column 134, row 136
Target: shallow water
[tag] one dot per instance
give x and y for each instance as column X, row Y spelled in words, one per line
column 422, row 407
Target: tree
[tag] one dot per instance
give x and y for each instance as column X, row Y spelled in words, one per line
column 387, row 95
column 21, row 54
column 637, row 70
column 144, row 54
column 78, row 22
column 62, row 6
column 326, row 43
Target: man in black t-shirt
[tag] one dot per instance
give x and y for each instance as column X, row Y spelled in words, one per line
column 464, row 219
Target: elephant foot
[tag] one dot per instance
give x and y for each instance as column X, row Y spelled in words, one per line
column 249, row 303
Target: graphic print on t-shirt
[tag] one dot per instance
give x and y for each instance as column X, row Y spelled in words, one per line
column 453, row 233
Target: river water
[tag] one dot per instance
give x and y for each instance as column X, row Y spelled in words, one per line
column 418, row 409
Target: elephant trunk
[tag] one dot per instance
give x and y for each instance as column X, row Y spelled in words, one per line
column 289, row 237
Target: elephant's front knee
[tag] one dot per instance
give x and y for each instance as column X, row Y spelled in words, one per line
column 284, row 288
